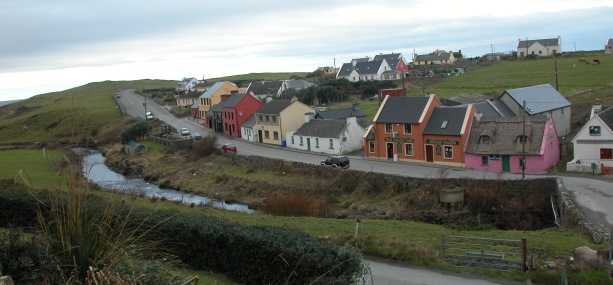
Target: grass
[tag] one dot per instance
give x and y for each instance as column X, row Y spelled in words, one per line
column 34, row 165
column 259, row 76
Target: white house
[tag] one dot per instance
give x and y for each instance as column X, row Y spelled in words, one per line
column 542, row 47
column 359, row 69
column 594, row 142
column 327, row 136
column 247, row 132
column 187, row 84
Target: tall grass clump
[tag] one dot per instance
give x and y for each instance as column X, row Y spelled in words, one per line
column 85, row 231
column 207, row 146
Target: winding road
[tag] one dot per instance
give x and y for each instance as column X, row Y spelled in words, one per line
column 591, row 194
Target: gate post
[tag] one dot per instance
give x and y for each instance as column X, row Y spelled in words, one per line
column 523, row 255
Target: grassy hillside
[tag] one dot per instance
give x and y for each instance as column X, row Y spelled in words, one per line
column 67, row 115
column 259, row 76
column 573, row 77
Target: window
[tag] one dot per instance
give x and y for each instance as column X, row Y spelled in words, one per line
column 444, row 124
column 317, row 142
column 408, row 149
column 260, row 118
column 274, row 119
column 522, row 139
column 407, row 129
column 606, row 153
column 331, row 144
column 594, row 130
column 371, row 146
column 225, row 126
column 388, row 128
column 485, row 140
column 267, row 118
column 399, row 148
column 448, row 152
column 275, row 135
column 484, row 160
column 293, row 142
column 266, row 135
column 301, row 142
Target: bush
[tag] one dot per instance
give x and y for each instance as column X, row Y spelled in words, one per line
column 207, row 146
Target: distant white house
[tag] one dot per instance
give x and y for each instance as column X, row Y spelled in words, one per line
column 594, row 142
column 542, row 47
column 327, row 136
column 247, row 132
column 187, row 84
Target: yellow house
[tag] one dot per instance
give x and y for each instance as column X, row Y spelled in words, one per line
column 213, row 96
column 275, row 119
column 437, row 57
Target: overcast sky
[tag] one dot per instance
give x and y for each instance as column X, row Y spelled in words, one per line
column 48, row 46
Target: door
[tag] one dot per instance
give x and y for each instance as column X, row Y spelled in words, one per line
column 309, row 144
column 260, row 136
column 506, row 165
column 390, row 150
column 429, row 153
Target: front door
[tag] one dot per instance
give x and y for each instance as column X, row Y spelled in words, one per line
column 260, row 136
column 429, row 153
column 506, row 165
column 309, row 144
column 390, row 150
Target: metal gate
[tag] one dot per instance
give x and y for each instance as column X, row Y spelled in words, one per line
column 500, row 254
column 607, row 170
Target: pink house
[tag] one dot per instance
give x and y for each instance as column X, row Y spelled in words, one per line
column 496, row 144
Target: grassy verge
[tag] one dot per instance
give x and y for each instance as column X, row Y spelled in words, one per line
column 35, row 167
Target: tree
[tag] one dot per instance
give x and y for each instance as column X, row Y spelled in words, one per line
column 135, row 132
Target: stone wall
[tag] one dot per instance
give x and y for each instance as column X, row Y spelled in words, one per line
column 584, row 167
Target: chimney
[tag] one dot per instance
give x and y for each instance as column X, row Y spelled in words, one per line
column 352, row 120
column 308, row 117
column 478, row 116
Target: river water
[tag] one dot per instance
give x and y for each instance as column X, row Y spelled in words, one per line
column 95, row 170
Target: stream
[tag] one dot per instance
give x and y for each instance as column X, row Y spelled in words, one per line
column 95, row 170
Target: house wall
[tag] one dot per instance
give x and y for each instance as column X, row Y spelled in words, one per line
column 561, row 119
column 440, row 142
column 292, row 118
column 354, row 134
column 587, row 147
column 383, row 138
column 321, row 145
column 248, row 134
column 608, row 49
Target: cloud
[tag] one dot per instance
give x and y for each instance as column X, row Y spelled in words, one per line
column 169, row 40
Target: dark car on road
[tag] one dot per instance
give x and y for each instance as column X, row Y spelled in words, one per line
column 229, row 147
column 336, row 161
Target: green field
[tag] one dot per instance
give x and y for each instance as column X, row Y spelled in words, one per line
column 32, row 167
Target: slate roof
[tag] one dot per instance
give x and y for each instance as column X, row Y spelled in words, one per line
column 392, row 59
column 493, row 108
column 539, row 98
column 610, row 42
column 607, row 117
column 454, row 116
column 212, row 90
column 544, row 42
column 371, row 67
column 264, row 87
column 190, row 95
column 433, row 57
column 233, row 100
column 322, row 128
column 215, row 109
column 274, row 107
column 250, row 122
column 297, row 83
column 503, row 132
column 345, row 69
column 340, row 114
column 402, row 110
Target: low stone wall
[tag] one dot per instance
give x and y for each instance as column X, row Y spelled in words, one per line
column 174, row 143
column 566, row 207
column 584, row 167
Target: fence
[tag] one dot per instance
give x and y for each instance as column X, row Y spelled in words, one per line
column 500, row 254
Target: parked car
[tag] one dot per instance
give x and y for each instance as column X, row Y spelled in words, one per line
column 184, row 131
column 336, row 161
column 229, row 147
column 117, row 95
column 197, row 136
column 150, row 116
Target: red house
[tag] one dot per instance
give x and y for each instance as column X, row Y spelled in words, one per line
column 236, row 109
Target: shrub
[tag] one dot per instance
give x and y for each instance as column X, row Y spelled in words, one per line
column 207, row 146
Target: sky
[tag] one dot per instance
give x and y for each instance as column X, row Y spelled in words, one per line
column 48, row 46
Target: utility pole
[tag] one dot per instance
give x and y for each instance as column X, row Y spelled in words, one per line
column 523, row 145
column 556, row 67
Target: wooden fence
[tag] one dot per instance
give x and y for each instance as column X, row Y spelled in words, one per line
column 500, row 254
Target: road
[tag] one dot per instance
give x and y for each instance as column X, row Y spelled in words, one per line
column 592, row 196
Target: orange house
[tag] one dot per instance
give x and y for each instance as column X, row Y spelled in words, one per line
column 419, row 129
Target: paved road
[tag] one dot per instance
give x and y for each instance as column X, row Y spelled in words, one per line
column 592, row 194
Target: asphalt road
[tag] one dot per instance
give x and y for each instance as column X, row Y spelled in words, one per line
column 592, row 194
